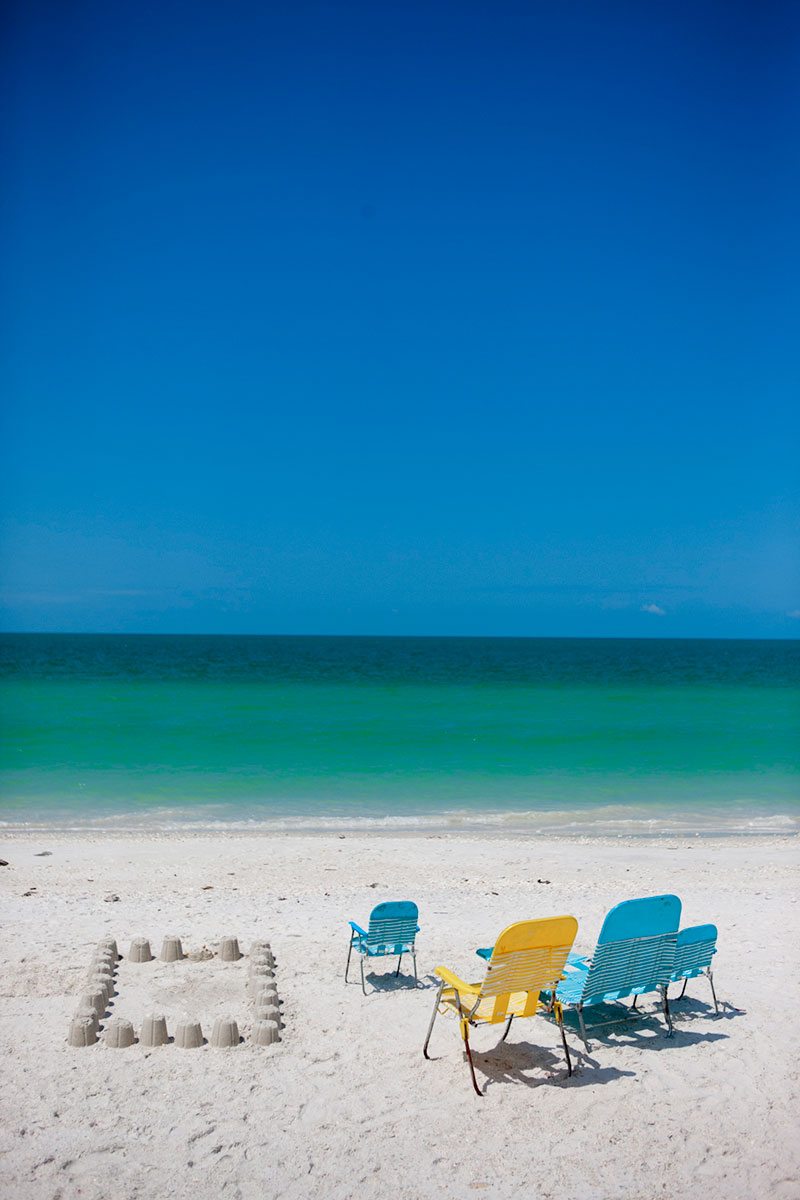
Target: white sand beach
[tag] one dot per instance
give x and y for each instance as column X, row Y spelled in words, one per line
column 346, row 1105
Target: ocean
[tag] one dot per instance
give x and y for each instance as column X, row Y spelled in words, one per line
column 542, row 735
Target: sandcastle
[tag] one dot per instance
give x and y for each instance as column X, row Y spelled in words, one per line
column 96, row 1023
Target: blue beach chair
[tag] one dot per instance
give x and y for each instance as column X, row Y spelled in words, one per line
column 694, row 950
column 635, row 955
column 392, row 930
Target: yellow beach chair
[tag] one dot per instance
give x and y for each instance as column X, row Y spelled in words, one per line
column 528, row 958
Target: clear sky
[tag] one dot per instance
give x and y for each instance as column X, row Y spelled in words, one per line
column 401, row 318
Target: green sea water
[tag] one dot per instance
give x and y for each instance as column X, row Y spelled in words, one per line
column 548, row 735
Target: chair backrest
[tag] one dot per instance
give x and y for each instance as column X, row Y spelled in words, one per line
column 392, row 925
column 529, row 956
column 635, row 951
column 694, row 950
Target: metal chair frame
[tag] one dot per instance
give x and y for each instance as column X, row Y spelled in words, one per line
column 354, row 937
column 622, row 1020
column 392, row 930
column 709, row 974
column 466, row 1019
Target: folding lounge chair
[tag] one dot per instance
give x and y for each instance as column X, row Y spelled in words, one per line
column 695, row 948
column 635, row 954
column 392, row 930
column 528, row 958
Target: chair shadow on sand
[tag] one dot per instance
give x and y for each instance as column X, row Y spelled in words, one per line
column 534, row 1066
column 690, row 1008
column 387, row 982
column 531, row 1065
column 645, row 1030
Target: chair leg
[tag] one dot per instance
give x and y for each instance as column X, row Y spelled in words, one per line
column 713, row 993
column 397, row 972
column 667, row 1014
column 363, row 984
column 349, row 952
column 508, row 1026
column 465, row 1035
column 683, row 989
column 414, row 960
column 433, row 1018
column 560, row 1019
column 633, row 1006
column 583, row 1029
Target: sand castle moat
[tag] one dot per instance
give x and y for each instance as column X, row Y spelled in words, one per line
column 211, row 995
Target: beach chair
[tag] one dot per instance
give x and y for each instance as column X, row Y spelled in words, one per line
column 527, row 958
column 635, row 954
column 694, row 950
column 392, row 930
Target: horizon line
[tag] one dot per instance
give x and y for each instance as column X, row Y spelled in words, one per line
column 511, row 637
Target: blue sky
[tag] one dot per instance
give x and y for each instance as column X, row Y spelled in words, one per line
column 406, row 318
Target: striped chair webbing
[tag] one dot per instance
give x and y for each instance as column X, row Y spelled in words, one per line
column 631, row 965
column 390, row 934
column 524, row 970
column 693, row 958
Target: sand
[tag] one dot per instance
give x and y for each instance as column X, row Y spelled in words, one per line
column 345, row 1105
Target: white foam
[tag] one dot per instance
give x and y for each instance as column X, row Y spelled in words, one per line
column 602, row 821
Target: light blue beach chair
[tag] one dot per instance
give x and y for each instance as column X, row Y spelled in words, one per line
column 635, row 954
column 392, row 930
column 694, row 950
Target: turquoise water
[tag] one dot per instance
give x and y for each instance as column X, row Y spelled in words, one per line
column 543, row 734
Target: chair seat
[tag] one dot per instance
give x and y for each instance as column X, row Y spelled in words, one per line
column 381, row 949
column 570, row 988
column 688, row 973
column 485, row 1012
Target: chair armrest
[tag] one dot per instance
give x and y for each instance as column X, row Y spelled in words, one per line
column 453, row 981
column 357, row 929
column 578, row 962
